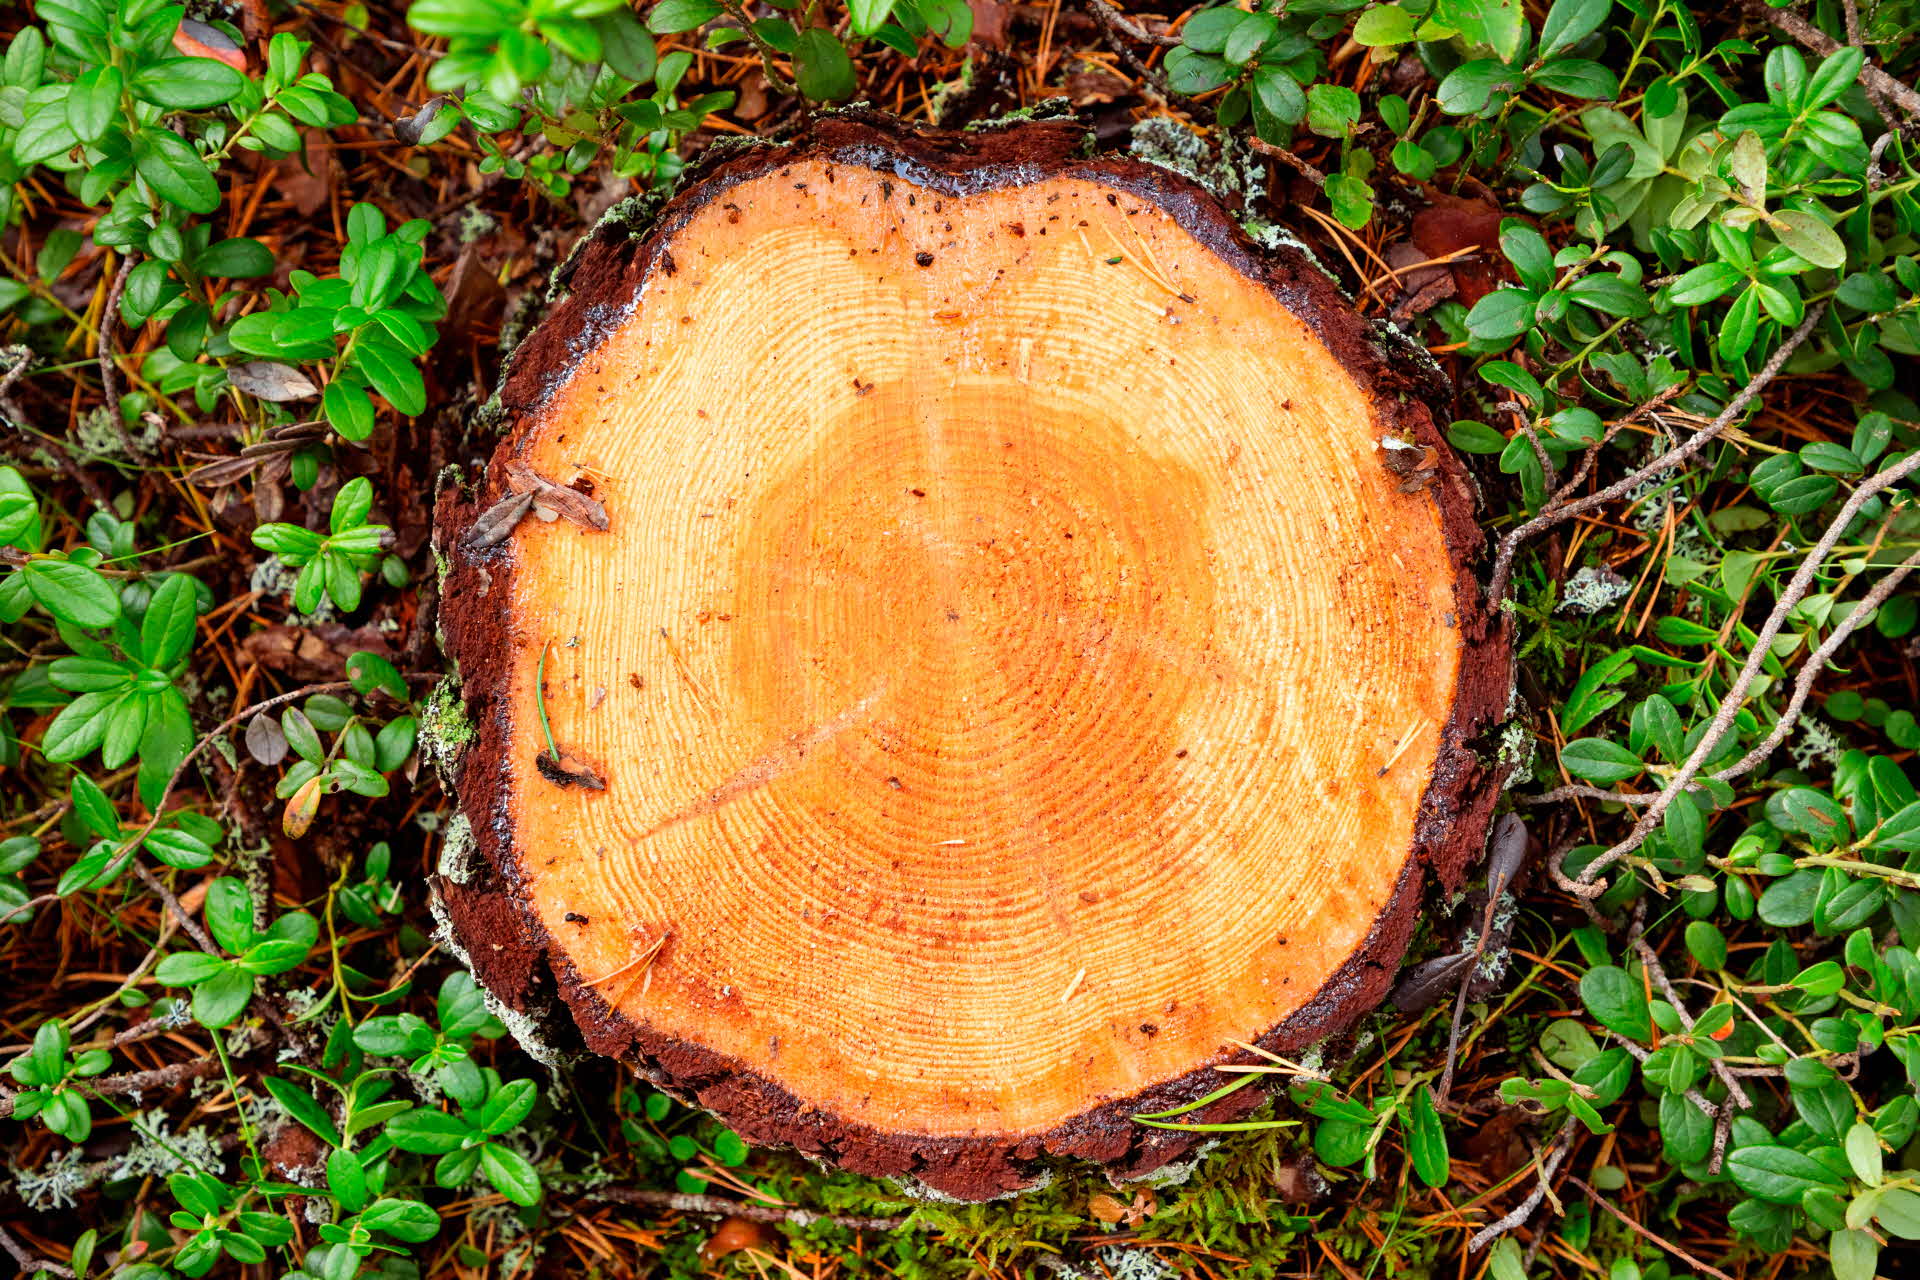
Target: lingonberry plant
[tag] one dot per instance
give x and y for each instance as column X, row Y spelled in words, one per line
column 257, row 263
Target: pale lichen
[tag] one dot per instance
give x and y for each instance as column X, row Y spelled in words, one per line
column 1515, row 753
column 457, row 850
column 1592, row 589
column 525, row 1028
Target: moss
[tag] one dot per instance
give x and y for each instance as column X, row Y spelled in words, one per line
column 445, row 729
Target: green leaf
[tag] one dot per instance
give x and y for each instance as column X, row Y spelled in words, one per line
column 1340, row 1143
column 1610, row 295
column 1703, row 284
column 427, row 1132
column 821, row 68
column 1475, row 437
column 507, row 1106
column 1576, row 78
column 1777, row 1174
column 1192, row 72
column 1855, row 1255
column 1809, row 812
column 93, row 100
column 1863, row 1153
column 1598, row 760
column 351, row 505
column 1469, row 88
column 510, row 1173
column 1590, row 697
column 229, row 914
column 348, row 409
column 219, row 1000
column 1809, row 237
column 867, row 15
column 1384, row 25
column 186, row 968
column 1569, row 22
column 236, row 258
column 1332, row 110
column 1898, row 1210
column 166, row 633
column 71, row 592
column 1789, row 901
column 1707, row 944
column 1686, row 1132
column 1427, row 1140
column 1900, row 831
column 1278, row 103
column 669, row 17
column 1209, row 30
column 625, row 46
column 80, row 727
column 45, row 135
column 1247, row 36
column 393, row 373
column 1617, row 1002
column 175, row 171
column 188, row 84
column 1498, row 24
column 91, row 806
column 1833, row 77
column 302, row 1107
column 1503, row 314
column 407, row 1220
column 369, row 671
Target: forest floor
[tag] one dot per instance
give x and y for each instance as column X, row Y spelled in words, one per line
column 226, row 1009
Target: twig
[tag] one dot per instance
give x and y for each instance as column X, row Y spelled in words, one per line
column 738, row 12
column 180, row 914
column 1854, row 38
column 1816, row 662
column 722, row 1206
column 109, row 368
column 1510, row 545
column 1506, row 851
column 1873, row 78
column 1668, row 1245
column 29, row 905
column 1288, row 158
column 1562, row 1143
column 1736, row 1093
column 29, row 1265
column 246, row 713
column 139, row 1082
column 1113, row 25
column 1633, row 415
column 1736, row 696
column 1108, row 14
column 22, row 358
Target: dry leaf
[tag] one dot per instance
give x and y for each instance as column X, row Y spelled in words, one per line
column 270, row 380
column 497, row 522
column 562, row 501
column 199, row 40
column 301, row 809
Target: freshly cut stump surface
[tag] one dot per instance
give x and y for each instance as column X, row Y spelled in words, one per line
column 1033, row 647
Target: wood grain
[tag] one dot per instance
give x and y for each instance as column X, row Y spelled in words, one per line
column 1014, row 671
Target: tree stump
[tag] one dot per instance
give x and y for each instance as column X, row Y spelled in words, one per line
column 987, row 640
